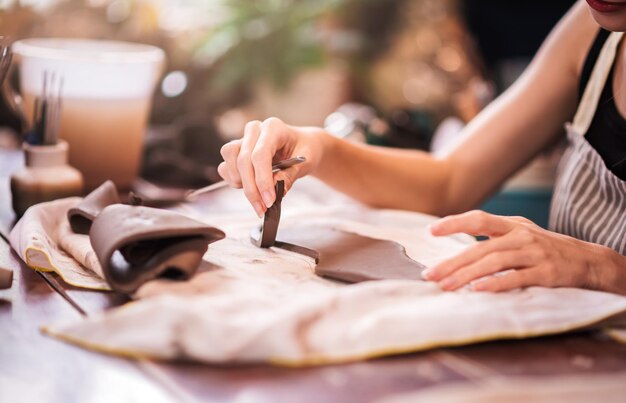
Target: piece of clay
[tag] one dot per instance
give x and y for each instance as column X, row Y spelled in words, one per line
column 135, row 244
column 265, row 236
column 81, row 216
column 313, row 254
column 6, row 278
column 353, row 258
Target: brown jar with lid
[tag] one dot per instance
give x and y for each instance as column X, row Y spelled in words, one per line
column 46, row 176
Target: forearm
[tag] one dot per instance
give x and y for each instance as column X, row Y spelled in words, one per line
column 495, row 145
column 501, row 140
column 384, row 177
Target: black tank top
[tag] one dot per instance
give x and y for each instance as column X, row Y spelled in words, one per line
column 607, row 133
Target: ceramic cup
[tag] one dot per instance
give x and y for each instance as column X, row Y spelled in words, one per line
column 106, row 98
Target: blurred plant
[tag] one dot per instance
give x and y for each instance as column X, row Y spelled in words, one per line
column 272, row 41
column 407, row 54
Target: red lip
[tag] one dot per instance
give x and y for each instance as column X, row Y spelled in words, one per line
column 605, row 6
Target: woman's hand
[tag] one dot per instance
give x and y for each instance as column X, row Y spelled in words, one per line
column 248, row 161
column 525, row 255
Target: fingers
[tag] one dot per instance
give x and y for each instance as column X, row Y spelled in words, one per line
column 471, row 255
column 248, row 161
column 518, row 254
column 246, row 169
column 237, row 169
column 512, row 246
column 228, row 169
column 475, row 223
column 288, row 176
column 271, row 132
column 510, row 280
column 491, row 264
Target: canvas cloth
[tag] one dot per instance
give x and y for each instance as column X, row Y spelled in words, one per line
column 266, row 305
column 44, row 240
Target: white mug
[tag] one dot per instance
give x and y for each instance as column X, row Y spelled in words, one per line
column 106, row 99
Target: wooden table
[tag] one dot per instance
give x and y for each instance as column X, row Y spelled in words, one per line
column 36, row 368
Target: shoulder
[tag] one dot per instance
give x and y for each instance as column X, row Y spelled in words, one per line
column 572, row 38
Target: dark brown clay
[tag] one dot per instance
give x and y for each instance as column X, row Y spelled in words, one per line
column 135, row 244
column 81, row 216
column 353, row 258
column 266, row 235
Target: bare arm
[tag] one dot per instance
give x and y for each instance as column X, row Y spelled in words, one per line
column 501, row 140
column 505, row 136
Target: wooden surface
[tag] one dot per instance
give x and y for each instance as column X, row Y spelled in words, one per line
column 36, row 368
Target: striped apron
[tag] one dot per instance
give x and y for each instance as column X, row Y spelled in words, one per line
column 589, row 201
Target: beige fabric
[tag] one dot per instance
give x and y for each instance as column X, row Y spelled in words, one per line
column 285, row 319
column 44, row 240
column 607, row 388
column 254, row 305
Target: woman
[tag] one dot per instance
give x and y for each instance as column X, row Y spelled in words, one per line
column 587, row 242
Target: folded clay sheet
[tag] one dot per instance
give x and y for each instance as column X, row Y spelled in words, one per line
column 135, row 244
column 156, row 240
column 248, row 305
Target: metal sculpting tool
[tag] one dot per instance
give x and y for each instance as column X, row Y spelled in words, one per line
column 222, row 184
column 265, row 235
column 189, row 196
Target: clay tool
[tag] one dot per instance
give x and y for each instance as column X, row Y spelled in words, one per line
column 52, row 114
column 275, row 168
column 156, row 200
column 47, row 112
column 265, row 236
column 5, row 61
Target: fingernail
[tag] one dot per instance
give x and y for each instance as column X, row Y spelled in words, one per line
column 427, row 274
column 477, row 285
column 259, row 208
column 268, row 198
column 433, row 228
column 446, row 283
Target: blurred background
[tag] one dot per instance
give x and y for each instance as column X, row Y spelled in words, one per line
column 401, row 73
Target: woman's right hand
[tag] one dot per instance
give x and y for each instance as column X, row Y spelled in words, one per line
column 248, row 161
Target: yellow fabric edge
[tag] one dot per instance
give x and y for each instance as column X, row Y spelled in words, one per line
column 324, row 360
column 97, row 347
column 57, row 271
column 618, row 335
column 327, row 360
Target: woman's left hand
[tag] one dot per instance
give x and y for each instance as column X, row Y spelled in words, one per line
column 531, row 254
